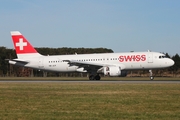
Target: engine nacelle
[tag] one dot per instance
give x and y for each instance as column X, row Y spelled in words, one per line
column 112, row 71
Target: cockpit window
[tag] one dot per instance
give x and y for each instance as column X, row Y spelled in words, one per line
column 162, row 57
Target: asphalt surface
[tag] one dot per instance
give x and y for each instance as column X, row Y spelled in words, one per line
column 100, row 81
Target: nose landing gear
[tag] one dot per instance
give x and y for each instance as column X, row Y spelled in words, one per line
column 151, row 75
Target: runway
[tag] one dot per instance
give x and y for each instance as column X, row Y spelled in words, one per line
column 95, row 82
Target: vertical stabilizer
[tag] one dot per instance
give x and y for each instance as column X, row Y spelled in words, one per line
column 23, row 48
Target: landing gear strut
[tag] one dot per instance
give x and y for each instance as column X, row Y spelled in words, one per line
column 96, row 77
column 151, row 75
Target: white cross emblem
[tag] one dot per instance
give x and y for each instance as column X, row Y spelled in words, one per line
column 21, row 44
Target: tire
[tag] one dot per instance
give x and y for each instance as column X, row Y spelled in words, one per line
column 151, row 78
column 97, row 77
column 91, row 77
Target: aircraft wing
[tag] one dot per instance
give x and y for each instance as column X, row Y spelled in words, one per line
column 83, row 63
column 91, row 65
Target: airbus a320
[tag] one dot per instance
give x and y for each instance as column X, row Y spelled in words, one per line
column 110, row 64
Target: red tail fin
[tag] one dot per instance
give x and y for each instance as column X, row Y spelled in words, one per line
column 22, row 46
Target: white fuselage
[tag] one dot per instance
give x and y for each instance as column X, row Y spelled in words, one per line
column 126, row 61
column 110, row 64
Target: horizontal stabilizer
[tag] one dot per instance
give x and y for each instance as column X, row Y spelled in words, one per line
column 19, row 60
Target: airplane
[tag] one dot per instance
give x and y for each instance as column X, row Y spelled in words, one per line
column 110, row 64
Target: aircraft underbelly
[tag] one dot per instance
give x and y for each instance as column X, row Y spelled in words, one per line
column 60, row 67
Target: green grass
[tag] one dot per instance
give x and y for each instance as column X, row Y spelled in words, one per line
column 94, row 101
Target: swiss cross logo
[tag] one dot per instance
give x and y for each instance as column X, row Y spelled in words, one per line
column 21, row 44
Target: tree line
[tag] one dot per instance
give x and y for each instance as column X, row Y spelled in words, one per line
column 11, row 70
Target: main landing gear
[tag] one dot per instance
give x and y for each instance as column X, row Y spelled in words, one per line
column 94, row 77
column 151, row 75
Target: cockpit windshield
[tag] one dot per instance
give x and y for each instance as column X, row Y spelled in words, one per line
column 163, row 56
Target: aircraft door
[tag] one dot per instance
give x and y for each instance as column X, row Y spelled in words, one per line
column 150, row 57
column 41, row 66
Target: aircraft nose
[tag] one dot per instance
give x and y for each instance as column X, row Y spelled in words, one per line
column 171, row 62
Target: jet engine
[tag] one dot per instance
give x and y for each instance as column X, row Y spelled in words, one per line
column 112, row 71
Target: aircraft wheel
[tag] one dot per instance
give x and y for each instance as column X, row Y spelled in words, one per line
column 91, row 77
column 97, row 77
column 151, row 78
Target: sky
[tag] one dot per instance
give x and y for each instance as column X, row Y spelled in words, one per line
column 120, row 25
